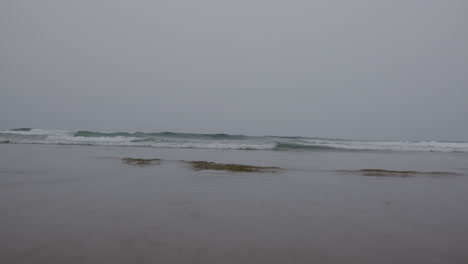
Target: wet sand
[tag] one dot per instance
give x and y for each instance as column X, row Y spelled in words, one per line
column 78, row 204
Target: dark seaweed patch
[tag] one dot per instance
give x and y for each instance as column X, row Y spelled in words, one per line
column 141, row 162
column 205, row 165
column 397, row 173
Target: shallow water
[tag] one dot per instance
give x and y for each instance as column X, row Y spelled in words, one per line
column 82, row 204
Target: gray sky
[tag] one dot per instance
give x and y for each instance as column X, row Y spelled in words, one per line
column 388, row 69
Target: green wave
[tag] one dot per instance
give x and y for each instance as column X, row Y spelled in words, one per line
column 218, row 141
column 161, row 134
column 21, row 129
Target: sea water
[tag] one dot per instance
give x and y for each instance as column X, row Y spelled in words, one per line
column 217, row 141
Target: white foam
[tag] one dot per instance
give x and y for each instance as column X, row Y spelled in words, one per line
column 61, row 137
column 390, row 145
column 36, row 132
column 213, row 145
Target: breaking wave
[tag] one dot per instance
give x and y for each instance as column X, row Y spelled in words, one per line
column 217, row 141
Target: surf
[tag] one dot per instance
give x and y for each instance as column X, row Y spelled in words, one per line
column 218, row 141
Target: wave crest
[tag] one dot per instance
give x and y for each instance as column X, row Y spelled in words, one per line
column 218, row 141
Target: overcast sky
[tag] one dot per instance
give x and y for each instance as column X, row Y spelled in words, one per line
column 388, row 69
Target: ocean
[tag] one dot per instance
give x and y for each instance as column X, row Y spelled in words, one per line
column 73, row 197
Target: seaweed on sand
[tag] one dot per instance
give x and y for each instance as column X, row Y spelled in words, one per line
column 396, row 173
column 141, row 162
column 205, row 165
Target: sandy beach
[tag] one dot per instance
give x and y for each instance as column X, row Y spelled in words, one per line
column 81, row 204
